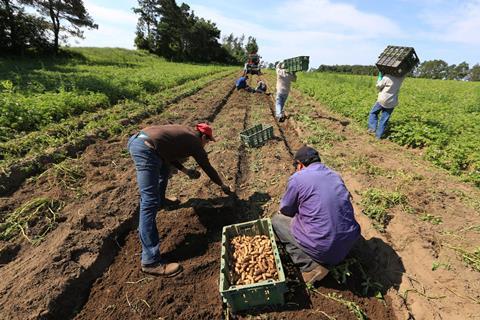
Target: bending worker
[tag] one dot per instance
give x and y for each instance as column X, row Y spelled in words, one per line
column 153, row 150
column 316, row 220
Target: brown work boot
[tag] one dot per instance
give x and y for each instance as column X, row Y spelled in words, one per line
column 163, row 269
column 316, row 274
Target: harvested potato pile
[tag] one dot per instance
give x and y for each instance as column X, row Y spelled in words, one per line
column 253, row 259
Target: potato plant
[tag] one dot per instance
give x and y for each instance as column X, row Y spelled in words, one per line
column 253, row 260
column 442, row 117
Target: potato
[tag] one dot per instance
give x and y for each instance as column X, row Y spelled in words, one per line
column 253, row 259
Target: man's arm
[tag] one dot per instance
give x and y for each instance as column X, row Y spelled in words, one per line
column 178, row 165
column 289, row 202
column 202, row 159
column 192, row 173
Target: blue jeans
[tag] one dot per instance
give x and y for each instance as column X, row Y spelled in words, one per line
column 279, row 104
column 152, row 180
column 281, row 225
column 373, row 119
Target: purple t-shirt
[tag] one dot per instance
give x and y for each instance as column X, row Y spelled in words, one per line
column 323, row 220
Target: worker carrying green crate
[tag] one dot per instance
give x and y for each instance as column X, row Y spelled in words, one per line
column 388, row 87
column 316, row 221
column 284, row 81
column 154, row 150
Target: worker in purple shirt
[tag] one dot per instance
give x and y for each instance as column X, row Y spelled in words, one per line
column 316, row 222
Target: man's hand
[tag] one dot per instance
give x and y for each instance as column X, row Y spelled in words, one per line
column 193, row 174
column 226, row 190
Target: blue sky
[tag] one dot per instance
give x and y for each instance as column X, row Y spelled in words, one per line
column 330, row 32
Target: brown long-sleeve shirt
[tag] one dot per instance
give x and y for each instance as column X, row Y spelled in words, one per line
column 173, row 142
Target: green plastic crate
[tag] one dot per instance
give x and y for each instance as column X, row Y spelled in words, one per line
column 397, row 61
column 257, row 135
column 296, row 64
column 265, row 293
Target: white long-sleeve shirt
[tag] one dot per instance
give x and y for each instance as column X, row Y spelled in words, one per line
column 284, row 80
column 389, row 87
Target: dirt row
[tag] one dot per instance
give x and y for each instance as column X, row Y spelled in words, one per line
column 52, row 279
column 422, row 250
column 191, row 234
column 88, row 267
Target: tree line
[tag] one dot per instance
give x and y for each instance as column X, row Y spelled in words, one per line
column 430, row 69
column 55, row 21
column 176, row 33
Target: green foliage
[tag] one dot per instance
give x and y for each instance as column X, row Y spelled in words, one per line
column 35, row 93
column 376, row 203
column 472, row 259
column 437, row 265
column 21, row 31
column 67, row 17
column 431, row 218
column 174, row 32
column 442, row 117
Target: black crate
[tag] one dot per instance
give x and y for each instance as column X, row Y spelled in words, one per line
column 397, row 61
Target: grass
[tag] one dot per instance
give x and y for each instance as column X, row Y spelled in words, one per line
column 442, row 117
column 441, row 265
column 431, row 218
column 40, row 211
column 377, row 202
column 37, row 92
column 472, row 259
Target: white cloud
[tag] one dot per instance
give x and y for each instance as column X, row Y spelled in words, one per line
column 109, row 15
column 116, row 28
column 344, row 36
column 460, row 25
column 337, row 18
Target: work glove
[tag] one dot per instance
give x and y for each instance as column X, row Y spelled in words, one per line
column 193, row 174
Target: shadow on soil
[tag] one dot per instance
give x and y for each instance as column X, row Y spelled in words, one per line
column 213, row 214
column 370, row 269
column 373, row 267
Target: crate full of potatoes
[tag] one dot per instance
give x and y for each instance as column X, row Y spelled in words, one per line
column 251, row 272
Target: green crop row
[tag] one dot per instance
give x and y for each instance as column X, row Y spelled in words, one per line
column 106, row 120
column 37, row 92
column 442, row 117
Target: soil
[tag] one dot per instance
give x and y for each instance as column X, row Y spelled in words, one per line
column 88, row 266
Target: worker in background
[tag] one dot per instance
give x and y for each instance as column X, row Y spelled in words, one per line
column 388, row 87
column 153, row 150
column 284, row 81
column 261, row 87
column 253, row 64
column 241, row 82
column 316, row 222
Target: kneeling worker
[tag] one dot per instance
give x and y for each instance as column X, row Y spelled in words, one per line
column 316, row 220
column 241, row 83
column 153, row 150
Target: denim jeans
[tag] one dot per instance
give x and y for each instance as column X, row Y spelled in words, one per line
column 281, row 225
column 280, row 104
column 152, row 180
column 379, row 128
